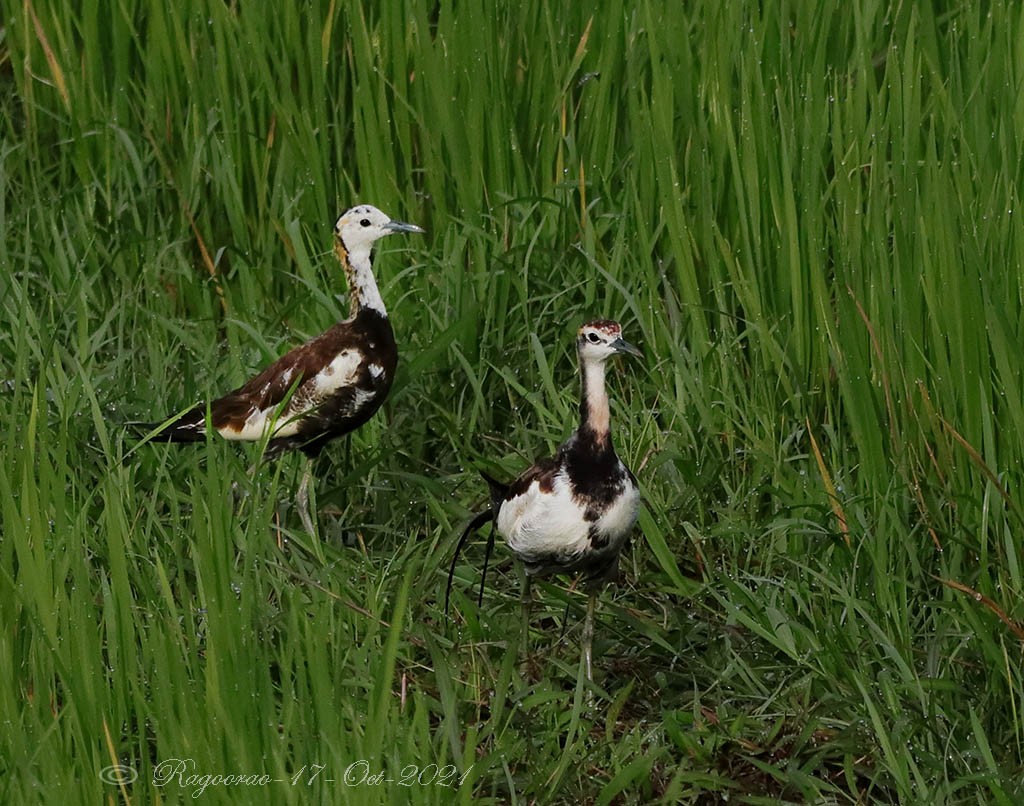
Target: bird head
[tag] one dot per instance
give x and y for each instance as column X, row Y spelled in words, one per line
column 359, row 227
column 602, row 338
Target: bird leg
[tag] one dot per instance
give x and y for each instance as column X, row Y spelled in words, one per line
column 525, row 600
column 588, row 635
column 302, row 499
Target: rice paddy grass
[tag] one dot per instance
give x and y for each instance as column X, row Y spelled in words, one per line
column 808, row 217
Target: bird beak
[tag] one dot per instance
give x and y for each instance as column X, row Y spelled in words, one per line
column 620, row 345
column 401, row 226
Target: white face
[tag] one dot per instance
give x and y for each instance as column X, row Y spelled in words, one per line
column 599, row 340
column 362, row 225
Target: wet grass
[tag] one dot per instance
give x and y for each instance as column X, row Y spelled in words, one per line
column 806, row 215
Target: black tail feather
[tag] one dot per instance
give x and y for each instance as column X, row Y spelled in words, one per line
column 487, row 559
column 189, row 427
column 498, row 493
column 478, row 520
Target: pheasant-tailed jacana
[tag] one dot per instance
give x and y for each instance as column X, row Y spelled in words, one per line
column 571, row 513
column 323, row 389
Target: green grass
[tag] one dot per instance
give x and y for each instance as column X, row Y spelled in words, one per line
column 806, row 214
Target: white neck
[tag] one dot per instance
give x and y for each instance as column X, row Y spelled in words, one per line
column 362, row 285
column 594, row 413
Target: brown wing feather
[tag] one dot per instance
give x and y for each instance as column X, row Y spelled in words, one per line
column 543, row 471
column 269, row 388
column 369, row 335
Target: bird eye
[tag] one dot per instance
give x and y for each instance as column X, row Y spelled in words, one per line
column 364, row 223
column 593, row 338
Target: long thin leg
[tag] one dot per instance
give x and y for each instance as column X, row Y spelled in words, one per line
column 525, row 600
column 302, row 499
column 588, row 635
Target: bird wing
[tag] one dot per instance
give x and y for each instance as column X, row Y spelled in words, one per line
column 309, row 373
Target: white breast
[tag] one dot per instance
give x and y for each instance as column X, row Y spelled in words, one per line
column 536, row 523
column 617, row 521
column 540, row 523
